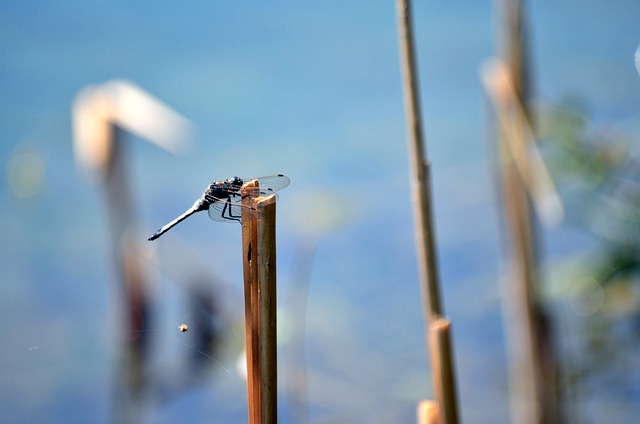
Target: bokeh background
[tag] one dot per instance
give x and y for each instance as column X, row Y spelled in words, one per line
column 311, row 90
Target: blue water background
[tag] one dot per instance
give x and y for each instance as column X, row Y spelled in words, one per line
column 312, row 90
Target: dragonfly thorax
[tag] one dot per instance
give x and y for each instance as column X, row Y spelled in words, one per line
column 234, row 184
column 223, row 189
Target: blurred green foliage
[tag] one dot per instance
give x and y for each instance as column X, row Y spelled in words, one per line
column 597, row 175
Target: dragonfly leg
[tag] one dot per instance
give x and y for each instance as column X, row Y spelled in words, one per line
column 228, row 214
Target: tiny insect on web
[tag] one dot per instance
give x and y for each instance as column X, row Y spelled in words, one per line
column 171, row 331
column 222, row 199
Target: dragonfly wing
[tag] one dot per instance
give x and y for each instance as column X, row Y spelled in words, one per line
column 260, row 191
column 271, row 183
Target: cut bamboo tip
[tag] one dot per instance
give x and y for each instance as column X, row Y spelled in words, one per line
column 441, row 324
column 263, row 201
column 427, row 412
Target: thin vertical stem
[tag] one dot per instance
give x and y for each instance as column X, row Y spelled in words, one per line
column 419, row 165
column 442, row 367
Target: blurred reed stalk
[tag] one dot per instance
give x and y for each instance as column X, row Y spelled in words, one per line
column 259, row 268
column 101, row 113
column 533, row 359
column 132, row 379
column 130, row 267
column 438, row 328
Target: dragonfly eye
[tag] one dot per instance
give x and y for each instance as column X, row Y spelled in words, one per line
column 235, row 181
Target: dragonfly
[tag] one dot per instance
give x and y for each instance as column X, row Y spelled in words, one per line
column 222, row 199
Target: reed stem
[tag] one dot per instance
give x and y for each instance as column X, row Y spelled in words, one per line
column 442, row 367
column 259, row 266
column 533, row 363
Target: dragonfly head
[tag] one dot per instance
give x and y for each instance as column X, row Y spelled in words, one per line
column 235, row 182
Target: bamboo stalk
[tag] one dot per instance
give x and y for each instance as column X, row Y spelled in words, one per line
column 420, row 175
column 259, row 266
column 252, row 323
column 440, row 350
column 268, row 322
column 442, row 366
